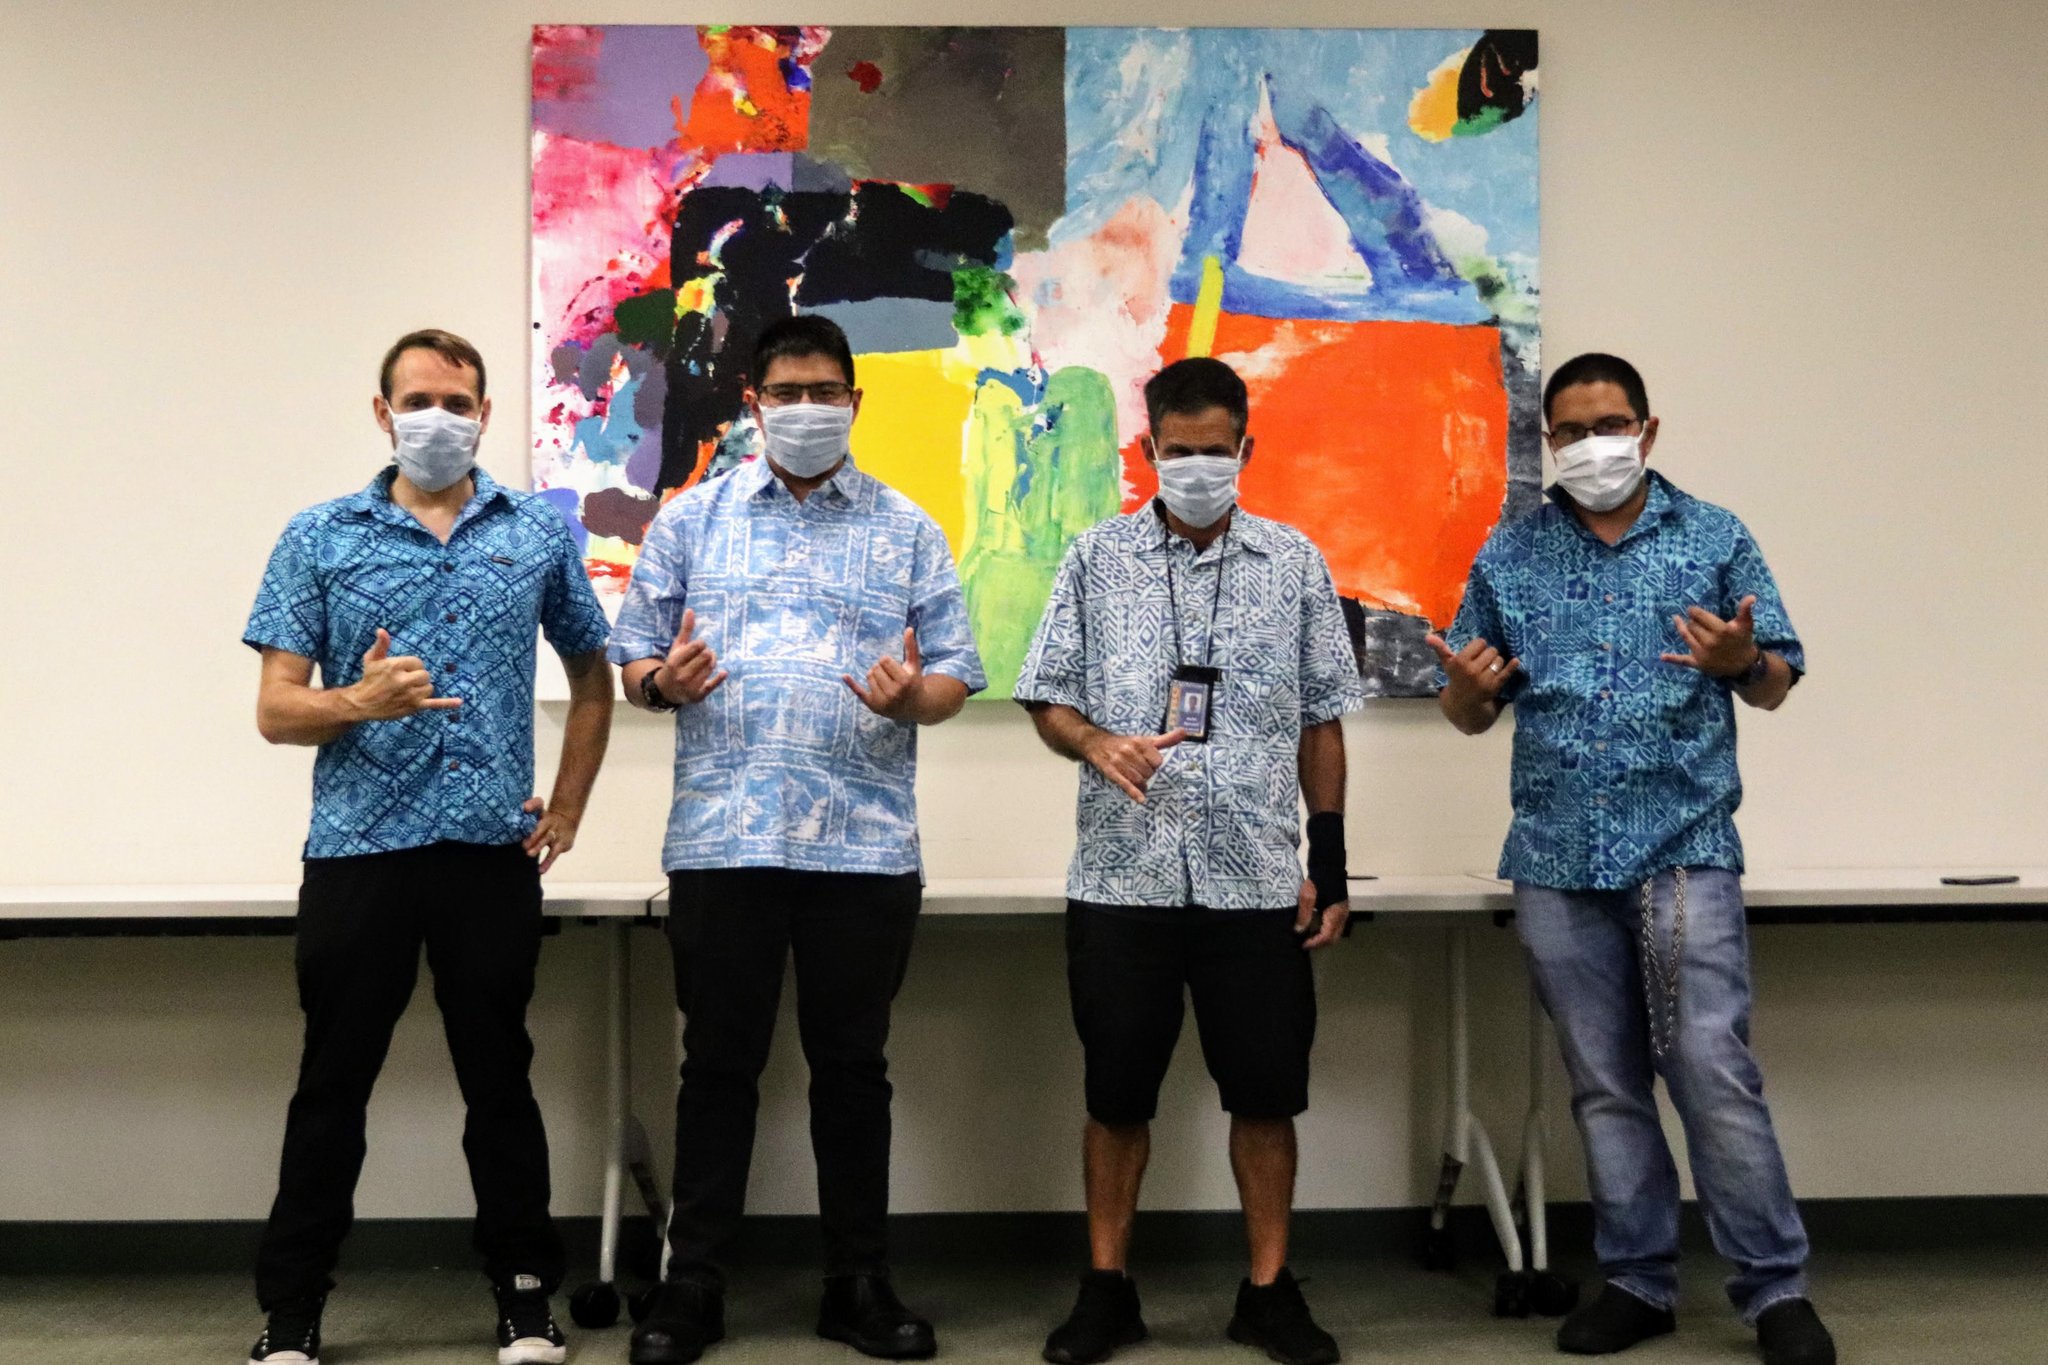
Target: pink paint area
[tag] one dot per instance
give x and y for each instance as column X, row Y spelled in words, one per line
column 600, row 231
column 1292, row 231
column 1103, row 300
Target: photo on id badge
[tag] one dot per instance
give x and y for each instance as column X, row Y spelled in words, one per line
column 1190, row 701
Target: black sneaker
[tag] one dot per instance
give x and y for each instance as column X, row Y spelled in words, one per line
column 1790, row 1333
column 864, row 1312
column 527, row 1334
column 683, row 1319
column 292, row 1334
column 1105, row 1317
column 1613, row 1322
column 1275, row 1318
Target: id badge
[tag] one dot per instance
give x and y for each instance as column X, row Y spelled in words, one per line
column 1191, row 700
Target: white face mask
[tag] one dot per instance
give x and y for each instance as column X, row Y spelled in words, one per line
column 1200, row 489
column 806, row 439
column 1600, row 472
column 435, row 447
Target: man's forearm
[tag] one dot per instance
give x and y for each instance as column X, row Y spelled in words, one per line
column 585, row 735
column 939, row 698
column 1065, row 731
column 294, row 713
column 1322, row 767
column 629, row 678
column 1473, row 715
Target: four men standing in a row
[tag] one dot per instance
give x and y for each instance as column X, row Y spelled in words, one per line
column 802, row 620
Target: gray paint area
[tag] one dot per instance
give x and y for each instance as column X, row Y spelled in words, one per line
column 878, row 325
column 982, row 109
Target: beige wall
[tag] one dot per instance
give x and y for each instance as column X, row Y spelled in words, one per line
column 1816, row 227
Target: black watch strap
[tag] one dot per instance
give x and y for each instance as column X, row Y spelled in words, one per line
column 650, row 692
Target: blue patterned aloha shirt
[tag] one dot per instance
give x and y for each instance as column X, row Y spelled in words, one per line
column 1624, row 766
column 783, row 766
column 468, row 609
column 1221, row 822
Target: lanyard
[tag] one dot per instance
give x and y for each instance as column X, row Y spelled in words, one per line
column 1215, row 606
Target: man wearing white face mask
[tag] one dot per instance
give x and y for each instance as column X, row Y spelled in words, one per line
column 417, row 599
column 801, row 621
column 1623, row 621
column 1194, row 659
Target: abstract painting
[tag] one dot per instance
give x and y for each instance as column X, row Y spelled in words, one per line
column 1016, row 227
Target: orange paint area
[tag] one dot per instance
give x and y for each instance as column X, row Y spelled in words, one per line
column 744, row 103
column 1384, row 442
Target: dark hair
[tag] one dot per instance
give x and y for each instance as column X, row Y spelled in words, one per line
column 446, row 345
column 804, row 335
column 1596, row 368
column 1195, row 385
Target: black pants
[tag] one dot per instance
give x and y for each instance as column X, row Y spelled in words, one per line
column 362, row 922
column 732, row 931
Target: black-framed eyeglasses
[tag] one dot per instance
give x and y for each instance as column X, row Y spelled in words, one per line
column 831, row 394
column 1571, row 433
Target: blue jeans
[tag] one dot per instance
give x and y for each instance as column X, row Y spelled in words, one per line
column 1585, row 958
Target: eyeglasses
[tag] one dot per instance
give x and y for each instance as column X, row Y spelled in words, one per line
column 1571, row 433
column 832, row 395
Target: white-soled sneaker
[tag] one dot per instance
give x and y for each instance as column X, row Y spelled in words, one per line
column 291, row 1336
column 527, row 1334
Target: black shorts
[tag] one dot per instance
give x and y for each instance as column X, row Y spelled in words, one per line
column 1254, row 994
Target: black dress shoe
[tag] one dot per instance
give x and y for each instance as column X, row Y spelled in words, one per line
column 1105, row 1317
column 864, row 1312
column 1275, row 1318
column 1613, row 1322
column 1790, row 1333
column 682, row 1320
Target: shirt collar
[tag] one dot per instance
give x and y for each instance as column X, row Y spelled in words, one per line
column 375, row 498
column 1246, row 532
column 757, row 477
column 1659, row 503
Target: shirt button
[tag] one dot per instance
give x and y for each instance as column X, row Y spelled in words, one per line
column 449, row 618
column 447, row 566
column 1610, row 597
column 455, row 766
column 1606, row 695
column 1606, row 648
column 1599, row 800
column 448, row 668
column 1600, row 746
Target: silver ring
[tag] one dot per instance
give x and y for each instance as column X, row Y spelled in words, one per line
column 1497, row 665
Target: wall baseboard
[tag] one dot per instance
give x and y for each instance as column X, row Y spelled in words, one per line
column 1835, row 1225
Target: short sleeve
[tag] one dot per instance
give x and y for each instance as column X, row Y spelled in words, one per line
column 1479, row 618
column 938, row 611
column 653, row 609
column 569, row 612
column 1329, row 666
column 1056, row 667
column 291, row 608
column 1748, row 575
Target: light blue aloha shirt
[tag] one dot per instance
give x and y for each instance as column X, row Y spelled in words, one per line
column 783, row 766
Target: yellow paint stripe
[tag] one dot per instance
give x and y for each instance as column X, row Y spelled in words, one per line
column 1208, row 306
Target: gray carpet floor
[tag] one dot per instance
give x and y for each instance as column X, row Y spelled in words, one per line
column 1976, row 1308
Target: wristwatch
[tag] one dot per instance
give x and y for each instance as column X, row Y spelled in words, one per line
column 650, row 692
column 1757, row 669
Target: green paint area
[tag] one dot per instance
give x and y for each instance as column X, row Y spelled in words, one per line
column 647, row 320
column 982, row 305
column 1485, row 121
column 917, row 194
column 1037, row 476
